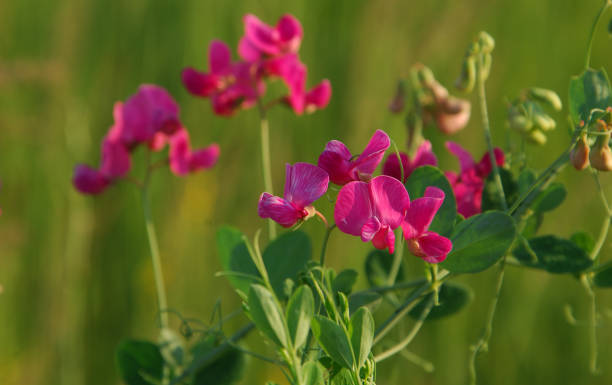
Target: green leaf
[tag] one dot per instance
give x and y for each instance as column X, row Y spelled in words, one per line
column 368, row 298
column 377, row 266
column 452, row 297
column 344, row 281
column 603, row 278
column 525, row 179
column 555, row 255
column 226, row 369
column 479, row 242
column 490, row 194
column 362, row 334
column 532, row 224
column 589, row 90
column 343, row 377
column 138, row 360
column 235, row 257
column 583, row 240
column 285, row 257
column 426, row 176
column 267, row 315
column 300, row 311
column 313, row 373
column 333, row 340
column 550, row 198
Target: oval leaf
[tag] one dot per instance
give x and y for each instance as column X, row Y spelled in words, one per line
column 300, row 311
column 554, row 254
column 138, row 361
column 426, row 176
column 266, row 314
column 362, row 334
column 550, row 198
column 333, row 340
column 344, row 281
column 313, row 373
column 285, row 257
column 452, row 298
column 603, row 278
column 479, row 242
column 590, row 89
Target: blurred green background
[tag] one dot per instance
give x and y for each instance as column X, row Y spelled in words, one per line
column 75, row 271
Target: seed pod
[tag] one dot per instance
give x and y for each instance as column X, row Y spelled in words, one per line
column 536, row 136
column 601, row 156
column 580, row 154
column 517, row 119
column 546, row 96
column 467, row 78
column 543, row 121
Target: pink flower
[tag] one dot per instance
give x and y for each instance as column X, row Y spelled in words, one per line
column 468, row 185
column 89, row 180
column 261, row 39
column 424, row 156
column 430, row 246
column 372, row 210
column 338, row 161
column 183, row 160
column 230, row 86
column 304, row 184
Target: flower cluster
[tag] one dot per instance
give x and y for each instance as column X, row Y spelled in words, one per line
column 151, row 118
column 368, row 207
column 265, row 52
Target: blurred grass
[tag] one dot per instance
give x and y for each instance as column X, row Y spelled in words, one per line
column 76, row 271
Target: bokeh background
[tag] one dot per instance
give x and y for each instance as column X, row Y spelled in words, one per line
column 75, row 271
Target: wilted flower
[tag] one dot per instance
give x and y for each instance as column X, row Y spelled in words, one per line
column 580, row 154
column 304, row 184
column 338, row 161
column 601, row 156
column 469, row 183
column 423, row 156
column 450, row 114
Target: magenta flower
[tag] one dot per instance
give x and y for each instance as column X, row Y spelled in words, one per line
column 424, row 156
column 372, row 210
column 261, row 40
column 304, row 184
column 183, row 160
column 338, row 161
column 469, row 183
column 430, row 246
column 230, row 86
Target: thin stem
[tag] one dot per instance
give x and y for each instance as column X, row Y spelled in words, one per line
column 606, row 4
column 408, row 339
column 426, row 365
column 487, row 131
column 592, row 323
column 265, row 160
column 482, row 344
column 397, row 286
column 603, row 233
column 325, row 241
column 397, row 259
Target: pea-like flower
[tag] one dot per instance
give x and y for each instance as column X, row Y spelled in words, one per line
column 261, row 40
column 183, row 160
column 423, row 156
column 338, row 161
column 304, row 184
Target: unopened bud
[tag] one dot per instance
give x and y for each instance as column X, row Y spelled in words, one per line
column 467, row 78
column 546, row 96
column 426, row 75
column 517, row 119
column 601, row 156
column 544, row 121
column 536, row 136
column 399, row 99
column 580, row 154
column 486, row 42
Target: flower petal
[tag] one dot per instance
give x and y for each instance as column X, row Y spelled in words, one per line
column 385, row 238
column 373, row 153
column 198, row 83
column 421, row 212
column 424, row 156
column 248, row 51
column 335, row 159
column 204, row 158
column 290, row 33
column 88, row 180
column 369, row 229
column 115, row 162
column 278, row 209
column 465, row 158
column 179, row 153
column 484, row 166
column 318, row 97
column 262, row 36
column 391, row 167
column 435, row 247
column 353, row 207
column 293, row 72
column 305, row 183
column 390, row 200
column 219, row 58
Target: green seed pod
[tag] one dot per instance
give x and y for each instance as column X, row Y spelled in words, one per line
column 536, row 136
column 543, row 121
column 466, row 80
column 486, row 42
column 520, row 123
column 548, row 97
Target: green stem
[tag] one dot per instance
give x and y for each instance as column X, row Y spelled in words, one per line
column 325, row 241
column 482, row 343
column 397, row 286
column 265, row 161
column 397, row 258
column 603, row 233
column 487, row 131
column 603, row 8
column 592, row 323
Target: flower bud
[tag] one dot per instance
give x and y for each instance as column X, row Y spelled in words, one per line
column 467, row 78
column 517, row 119
column 601, row 156
column 399, row 99
column 486, row 42
column 536, row 136
column 580, row 154
column 544, row 121
column 546, row 96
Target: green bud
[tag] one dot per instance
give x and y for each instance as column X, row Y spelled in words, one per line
column 466, row 80
column 344, row 308
column 546, row 96
column 536, row 136
column 520, row 123
column 543, row 121
column 486, row 42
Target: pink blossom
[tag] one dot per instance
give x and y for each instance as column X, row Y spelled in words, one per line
column 89, row 180
column 424, row 156
column 262, row 40
column 469, row 183
column 304, row 184
column 183, row 160
column 372, row 210
column 230, row 85
column 338, row 161
column 430, row 246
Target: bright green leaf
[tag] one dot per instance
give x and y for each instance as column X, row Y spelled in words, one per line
column 333, row 340
column 426, row 176
column 267, row 315
column 525, row 180
column 300, row 311
column 479, row 242
column 312, row 373
column 554, row 254
column 589, row 90
column 343, row 377
column 583, row 240
column 550, row 198
column 362, row 334
column 138, row 360
column 452, row 298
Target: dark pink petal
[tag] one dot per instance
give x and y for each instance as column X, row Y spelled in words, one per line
column 466, row 161
column 304, row 184
column 318, row 97
column 390, row 200
column 434, row 247
column 115, row 162
column 421, row 212
column 293, row 72
column 219, row 58
column 260, row 35
column 469, row 199
column 278, row 209
column 369, row 229
column 484, row 166
column 198, row 83
column 335, row 159
column 373, row 153
column 290, row 33
column 158, row 142
column 391, row 167
column 88, row 180
column 227, row 102
column 204, row 158
column 180, row 153
column 353, row 207
column 424, row 156
column 383, row 239
column 248, row 51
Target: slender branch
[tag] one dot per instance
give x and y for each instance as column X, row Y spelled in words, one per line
column 603, row 234
column 265, row 160
column 325, row 241
column 603, row 8
column 592, row 324
column 397, row 259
